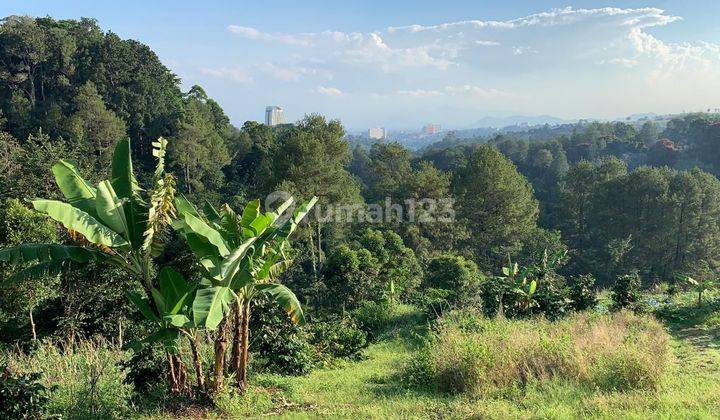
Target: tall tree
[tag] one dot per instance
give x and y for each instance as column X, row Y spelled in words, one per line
column 95, row 127
column 496, row 204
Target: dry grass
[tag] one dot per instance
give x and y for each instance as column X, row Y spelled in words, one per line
column 469, row 353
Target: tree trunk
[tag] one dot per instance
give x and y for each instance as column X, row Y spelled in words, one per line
column 312, row 254
column 181, row 374
column 32, row 326
column 174, row 387
column 244, row 351
column 237, row 338
column 221, row 344
column 319, row 246
column 195, row 348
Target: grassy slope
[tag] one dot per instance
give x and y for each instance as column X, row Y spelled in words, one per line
column 369, row 388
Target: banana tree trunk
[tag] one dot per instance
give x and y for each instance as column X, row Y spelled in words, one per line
column 32, row 326
column 237, row 338
column 195, row 349
column 221, row 344
column 177, row 374
column 244, row 349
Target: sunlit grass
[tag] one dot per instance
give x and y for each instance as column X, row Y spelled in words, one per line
column 370, row 389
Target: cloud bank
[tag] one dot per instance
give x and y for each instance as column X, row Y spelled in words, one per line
column 553, row 59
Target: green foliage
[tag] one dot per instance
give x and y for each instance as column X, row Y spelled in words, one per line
column 337, row 338
column 199, row 149
column 22, row 396
column 460, row 277
column 278, row 344
column 86, row 379
column 351, row 277
column 523, row 291
column 94, row 127
column 398, row 266
column 143, row 370
column 374, row 317
column 19, row 224
column 582, row 292
column 254, row 401
column 51, row 90
column 496, row 204
column 699, row 286
column 626, row 290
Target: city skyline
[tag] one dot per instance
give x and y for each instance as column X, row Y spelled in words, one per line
column 453, row 64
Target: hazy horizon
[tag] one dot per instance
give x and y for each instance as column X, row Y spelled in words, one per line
column 403, row 65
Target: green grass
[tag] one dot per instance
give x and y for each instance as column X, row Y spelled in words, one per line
column 371, row 389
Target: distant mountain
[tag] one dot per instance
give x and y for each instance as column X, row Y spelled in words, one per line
column 642, row 116
column 519, row 120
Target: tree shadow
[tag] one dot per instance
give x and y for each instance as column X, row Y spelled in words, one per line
column 696, row 324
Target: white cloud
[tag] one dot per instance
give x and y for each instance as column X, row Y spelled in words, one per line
column 252, row 33
column 566, row 33
column 291, row 73
column 232, row 74
column 329, row 91
column 523, row 50
column 562, row 60
column 476, row 91
column 419, row 93
column 623, row 62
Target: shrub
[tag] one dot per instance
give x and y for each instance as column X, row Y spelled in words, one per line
column 373, row 317
column 434, row 302
column 337, row 338
column 552, row 297
column 276, row 343
column 453, row 273
column 626, row 290
column 22, row 395
column 474, row 354
column 582, row 292
column 145, row 371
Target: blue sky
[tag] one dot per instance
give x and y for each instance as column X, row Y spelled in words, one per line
column 400, row 64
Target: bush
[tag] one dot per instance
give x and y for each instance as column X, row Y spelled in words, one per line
column 626, row 290
column 373, row 317
column 454, row 274
column 22, row 396
column 434, row 302
column 473, row 354
column 552, row 297
column 276, row 344
column 582, row 292
column 146, row 372
column 337, row 338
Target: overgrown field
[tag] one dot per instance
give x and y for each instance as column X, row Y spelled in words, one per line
column 589, row 365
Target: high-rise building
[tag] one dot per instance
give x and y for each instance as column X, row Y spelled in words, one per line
column 274, row 115
column 377, row 133
column 431, row 129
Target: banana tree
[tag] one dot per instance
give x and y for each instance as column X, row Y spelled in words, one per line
column 519, row 283
column 109, row 223
column 239, row 257
column 700, row 286
column 170, row 310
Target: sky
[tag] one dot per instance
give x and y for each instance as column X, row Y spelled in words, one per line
column 401, row 64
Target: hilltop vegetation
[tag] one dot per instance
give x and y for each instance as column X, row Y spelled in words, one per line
column 558, row 273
